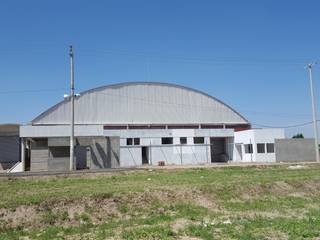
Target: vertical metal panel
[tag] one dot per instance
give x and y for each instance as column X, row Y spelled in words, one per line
column 142, row 103
column 9, row 151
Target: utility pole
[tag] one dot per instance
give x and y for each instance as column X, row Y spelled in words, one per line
column 72, row 109
column 314, row 113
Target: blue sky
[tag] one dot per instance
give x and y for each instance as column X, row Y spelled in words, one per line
column 249, row 54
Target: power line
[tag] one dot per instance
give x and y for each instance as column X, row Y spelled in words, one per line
column 219, row 60
column 289, row 126
column 197, row 59
column 32, row 91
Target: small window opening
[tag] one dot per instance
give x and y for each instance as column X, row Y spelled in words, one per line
column 167, row 140
column 136, row 141
column 261, row 148
column 198, row 140
column 270, row 147
column 183, row 140
column 248, row 148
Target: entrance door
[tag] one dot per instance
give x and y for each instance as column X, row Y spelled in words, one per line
column 218, row 150
column 238, row 152
column 145, row 155
column 80, row 153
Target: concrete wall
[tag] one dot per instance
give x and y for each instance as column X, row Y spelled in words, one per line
column 102, row 152
column 39, row 155
column 52, row 154
column 295, row 150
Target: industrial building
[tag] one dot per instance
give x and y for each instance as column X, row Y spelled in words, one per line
column 136, row 123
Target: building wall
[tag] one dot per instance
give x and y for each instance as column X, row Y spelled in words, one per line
column 254, row 137
column 101, row 152
column 60, row 131
column 295, row 150
column 39, row 155
column 52, row 154
column 175, row 153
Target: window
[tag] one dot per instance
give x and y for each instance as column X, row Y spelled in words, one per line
column 270, row 147
column 136, row 141
column 129, row 141
column 248, row 148
column 183, row 140
column 198, row 140
column 167, row 140
column 60, row 152
column 40, row 142
column 261, row 148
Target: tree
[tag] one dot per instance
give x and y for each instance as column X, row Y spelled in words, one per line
column 298, row 135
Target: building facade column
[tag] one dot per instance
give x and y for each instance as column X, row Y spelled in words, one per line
column 22, row 152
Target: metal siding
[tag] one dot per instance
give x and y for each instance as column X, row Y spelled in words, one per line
column 142, row 103
column 9, row 149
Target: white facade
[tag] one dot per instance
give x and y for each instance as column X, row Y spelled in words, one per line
column 256, row 145
column 175, row 153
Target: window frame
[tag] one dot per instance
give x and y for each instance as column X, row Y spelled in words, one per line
column 169, row 142
column 198, row 138
column 185, row 140
column 129, row 141
column 248, row 147
column 267, row 148
column 136, row 141
column 264, row 148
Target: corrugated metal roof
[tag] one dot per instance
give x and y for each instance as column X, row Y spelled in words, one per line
column 142, row 103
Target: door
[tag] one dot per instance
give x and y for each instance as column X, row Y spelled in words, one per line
column 80, row 153
column 218, row 150
column 145, row 155
column 238, row 152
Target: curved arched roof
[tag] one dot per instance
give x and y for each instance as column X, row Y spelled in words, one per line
column 142, row 103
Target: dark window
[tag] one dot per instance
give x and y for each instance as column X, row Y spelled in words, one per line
column 60, row 152
column 137, row 141
column 270, row 148
column 261, row 148
column 183, row 140
column 129, row 141
column 41, row 142
column 248, row 148
column 167, row 140
column 198, row 140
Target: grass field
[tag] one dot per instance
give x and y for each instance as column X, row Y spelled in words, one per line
column 209, row 203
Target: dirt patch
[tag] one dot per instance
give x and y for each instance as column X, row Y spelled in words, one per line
column 205, row 202
column 25, row 216
column 143, row 199
column 61, row 212
column 98, row 209
column 91, row 209
column 279, row 188
column 180, row 224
